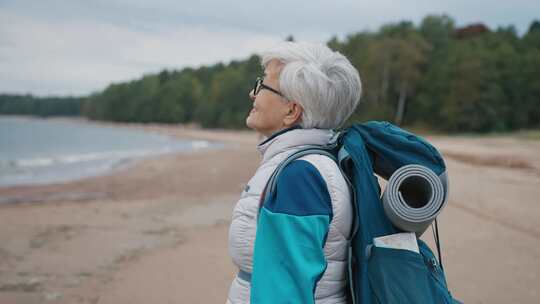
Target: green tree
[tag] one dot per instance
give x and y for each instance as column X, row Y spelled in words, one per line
column 396, row 65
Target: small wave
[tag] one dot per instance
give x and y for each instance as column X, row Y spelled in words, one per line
column 78, row 158
column 200, row 144
column 94, row 156
column 33, row 162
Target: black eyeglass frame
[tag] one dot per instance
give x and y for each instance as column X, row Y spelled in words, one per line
column 259, row 85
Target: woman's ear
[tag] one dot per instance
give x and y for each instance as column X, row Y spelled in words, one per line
column 294, row 116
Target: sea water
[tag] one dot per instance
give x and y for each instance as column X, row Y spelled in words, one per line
column 41, row 151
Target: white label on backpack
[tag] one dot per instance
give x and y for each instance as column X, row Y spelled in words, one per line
column 405, row 240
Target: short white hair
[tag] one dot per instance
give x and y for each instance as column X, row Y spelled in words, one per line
column 322, row 81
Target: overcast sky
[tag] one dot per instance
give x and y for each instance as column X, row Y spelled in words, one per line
column 62, row 47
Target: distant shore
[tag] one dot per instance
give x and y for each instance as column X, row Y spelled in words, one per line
column 156, row 232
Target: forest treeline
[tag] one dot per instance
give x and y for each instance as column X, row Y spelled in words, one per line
column 11, row 104
column 433, row 75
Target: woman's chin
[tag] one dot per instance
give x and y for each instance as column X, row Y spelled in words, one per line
column 249, row 122
column 251, row 118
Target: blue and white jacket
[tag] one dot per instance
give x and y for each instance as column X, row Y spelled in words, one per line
column 295, row 249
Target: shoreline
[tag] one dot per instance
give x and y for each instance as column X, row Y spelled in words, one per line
column 60, row 190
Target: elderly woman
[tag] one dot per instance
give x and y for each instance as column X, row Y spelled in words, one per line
column 292, row 248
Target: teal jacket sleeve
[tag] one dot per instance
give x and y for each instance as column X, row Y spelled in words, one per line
column 288, row 258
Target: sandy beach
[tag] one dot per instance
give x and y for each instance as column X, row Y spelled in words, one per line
column 156, row 231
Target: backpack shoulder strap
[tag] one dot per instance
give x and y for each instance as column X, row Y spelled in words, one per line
column 270, row 187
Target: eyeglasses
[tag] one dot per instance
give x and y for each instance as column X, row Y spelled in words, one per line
column 259, row 85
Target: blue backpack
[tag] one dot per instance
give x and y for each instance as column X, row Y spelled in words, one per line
column 376, row 274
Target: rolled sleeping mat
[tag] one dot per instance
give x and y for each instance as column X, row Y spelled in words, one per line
column 413, row 197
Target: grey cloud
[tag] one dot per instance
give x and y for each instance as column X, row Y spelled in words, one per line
column 69, row 46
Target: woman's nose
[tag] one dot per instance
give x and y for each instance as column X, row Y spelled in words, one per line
column 251, row 95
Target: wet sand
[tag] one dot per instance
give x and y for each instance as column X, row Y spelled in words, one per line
column 156, row 232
